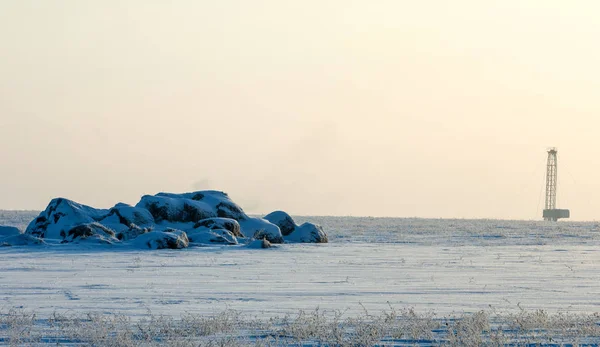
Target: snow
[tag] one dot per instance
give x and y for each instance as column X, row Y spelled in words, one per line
column 444, row 266
column 20, row 240
column 259, row 244
column 6, row 231
column 12, row 236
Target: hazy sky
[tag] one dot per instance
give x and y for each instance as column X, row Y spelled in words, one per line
column 382, row 108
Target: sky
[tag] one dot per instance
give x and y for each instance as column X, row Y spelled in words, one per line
column 434, row 109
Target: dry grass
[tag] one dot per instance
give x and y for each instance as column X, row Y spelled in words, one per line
column 315, row 328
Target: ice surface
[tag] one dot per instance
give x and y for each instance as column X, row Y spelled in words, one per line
column 19, row 219
column 441, row 265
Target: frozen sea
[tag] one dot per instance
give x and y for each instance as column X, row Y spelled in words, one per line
column 431, row 265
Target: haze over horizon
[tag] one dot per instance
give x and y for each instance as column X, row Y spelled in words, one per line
column 390, row 108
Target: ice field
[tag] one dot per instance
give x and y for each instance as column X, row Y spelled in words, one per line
column 448, row 267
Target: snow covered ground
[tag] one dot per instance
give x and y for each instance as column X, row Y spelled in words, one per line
column 335, row 276
column 444, row 266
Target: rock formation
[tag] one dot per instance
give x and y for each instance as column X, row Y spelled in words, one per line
column 167, row 220
column 306, row 233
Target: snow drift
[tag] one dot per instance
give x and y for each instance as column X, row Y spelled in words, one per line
column 166, row 220
column 11, row 236
column 6, row 231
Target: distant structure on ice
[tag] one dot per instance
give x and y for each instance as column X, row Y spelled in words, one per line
column 551, row 213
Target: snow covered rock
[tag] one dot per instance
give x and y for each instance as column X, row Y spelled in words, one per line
column 84, row 231
column 283, row 221
column 60, row 217
column 124, row 217
column 20, row 240
column 11, row 236
column 213, row 202
column 131, row 233
column 307, row 232
column 257, row 244
column 175, row 209
column 216, row 230
column 205, row 235
column 173, row 239
column 179, row 210
column 95, row 239
column 206, row 216
column 6, row 231
column 221, row 223
column 261, row 229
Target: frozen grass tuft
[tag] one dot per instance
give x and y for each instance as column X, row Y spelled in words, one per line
column 315, row 328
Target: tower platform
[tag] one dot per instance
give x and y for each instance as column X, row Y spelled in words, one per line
column 556, row 214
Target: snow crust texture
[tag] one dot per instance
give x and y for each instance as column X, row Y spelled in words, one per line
column 164, row 220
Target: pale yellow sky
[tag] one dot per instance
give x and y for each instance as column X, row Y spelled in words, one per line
column 339, row 107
